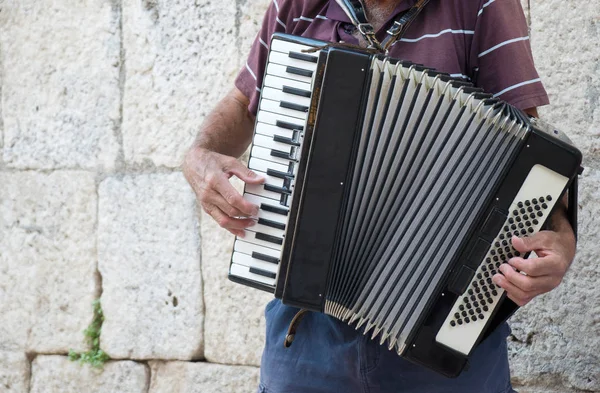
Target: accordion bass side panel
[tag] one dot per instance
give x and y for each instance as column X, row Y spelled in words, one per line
column 545, row 166
column 325, row 180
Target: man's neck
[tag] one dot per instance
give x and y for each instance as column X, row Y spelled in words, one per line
column 378, row 11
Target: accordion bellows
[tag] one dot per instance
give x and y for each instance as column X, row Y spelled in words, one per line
column 392, row 194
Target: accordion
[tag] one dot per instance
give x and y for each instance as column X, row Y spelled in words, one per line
column 392, row 192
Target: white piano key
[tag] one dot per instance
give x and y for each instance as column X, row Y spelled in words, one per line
column 278, row 83
column 248, row 248
column 287, row 47
column 271, row 130
column 286, row 60
column 275, row 107
column 260, row 165
column 250, row 237
column 279, row 95
column 273, row 118
column 258, row 201
column 269, row 143
column 259, row 189
column 265, row 154
column 272, row 180
column 244, row 272
column 281, row 71
column 267, row 230
column 247, row 260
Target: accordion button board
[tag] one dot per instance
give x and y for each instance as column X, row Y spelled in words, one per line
column 392, row 193
column 472, row 311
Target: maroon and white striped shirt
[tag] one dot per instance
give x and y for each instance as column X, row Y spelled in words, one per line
column 453, row 36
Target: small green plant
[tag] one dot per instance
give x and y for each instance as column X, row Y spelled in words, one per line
column 95, row 356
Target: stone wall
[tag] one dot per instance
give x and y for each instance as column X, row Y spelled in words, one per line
column 99, row 100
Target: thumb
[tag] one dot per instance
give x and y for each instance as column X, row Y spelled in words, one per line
column 246, row 175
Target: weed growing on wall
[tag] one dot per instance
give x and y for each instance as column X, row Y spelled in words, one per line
column 95, row 356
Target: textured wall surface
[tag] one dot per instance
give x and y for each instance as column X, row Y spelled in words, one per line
column 99, row 100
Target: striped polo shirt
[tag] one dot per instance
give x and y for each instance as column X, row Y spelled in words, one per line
column 483, row 41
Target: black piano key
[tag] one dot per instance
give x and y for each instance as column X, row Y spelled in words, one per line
column 271, row 223
column 269, row 238
column 274, row 209
column 281, row 154
column 263, row 257
column 295, row 91
column 262, row 272
column 282, row 139
column 289, row 126
column 303, row 56
column 291, row 105
column 280, row 190
column 298, row 71
column 279, row 174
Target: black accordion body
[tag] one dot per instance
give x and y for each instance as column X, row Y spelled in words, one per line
column 391, row 197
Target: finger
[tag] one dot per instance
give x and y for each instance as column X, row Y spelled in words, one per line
column 536, row 267
column 515, row 294
column 234, row 167
column 537, row 241
column 227, row 222
column 528, row 284
column 216, row 199
column 233, row 198
column 237, row 232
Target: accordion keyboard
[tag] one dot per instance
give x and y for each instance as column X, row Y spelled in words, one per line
column 279, row 132
column 472, row 311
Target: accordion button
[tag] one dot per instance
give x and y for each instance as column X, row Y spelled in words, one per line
column 452, row 323
column 520, row 204
column 527, row 203
column 459, row 321
column 535, row 201
column 544, row 206
column 542, row 200
column 549, row 197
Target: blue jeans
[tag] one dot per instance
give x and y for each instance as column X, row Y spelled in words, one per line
column 328, row 356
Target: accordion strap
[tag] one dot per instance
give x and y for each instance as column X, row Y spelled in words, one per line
column 291, row 333
column 355, row 10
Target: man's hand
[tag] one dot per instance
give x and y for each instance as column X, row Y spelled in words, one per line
column 208, row 173
column 555, row 251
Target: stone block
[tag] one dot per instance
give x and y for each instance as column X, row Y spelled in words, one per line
column 61, row 97
column 564, row 38
column 14, row 372
column 185, row 377
column 57, row 374
column 556, row 337
column 181, row 58
column 47, row 260
column 148, row 255
column 238, row 308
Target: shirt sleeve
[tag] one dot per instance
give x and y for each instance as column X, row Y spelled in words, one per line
column 250, row 78
column 501, row 54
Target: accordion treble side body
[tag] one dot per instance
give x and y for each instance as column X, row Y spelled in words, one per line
column 391, row 197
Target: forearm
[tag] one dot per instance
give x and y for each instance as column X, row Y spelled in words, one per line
column 228, row 128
